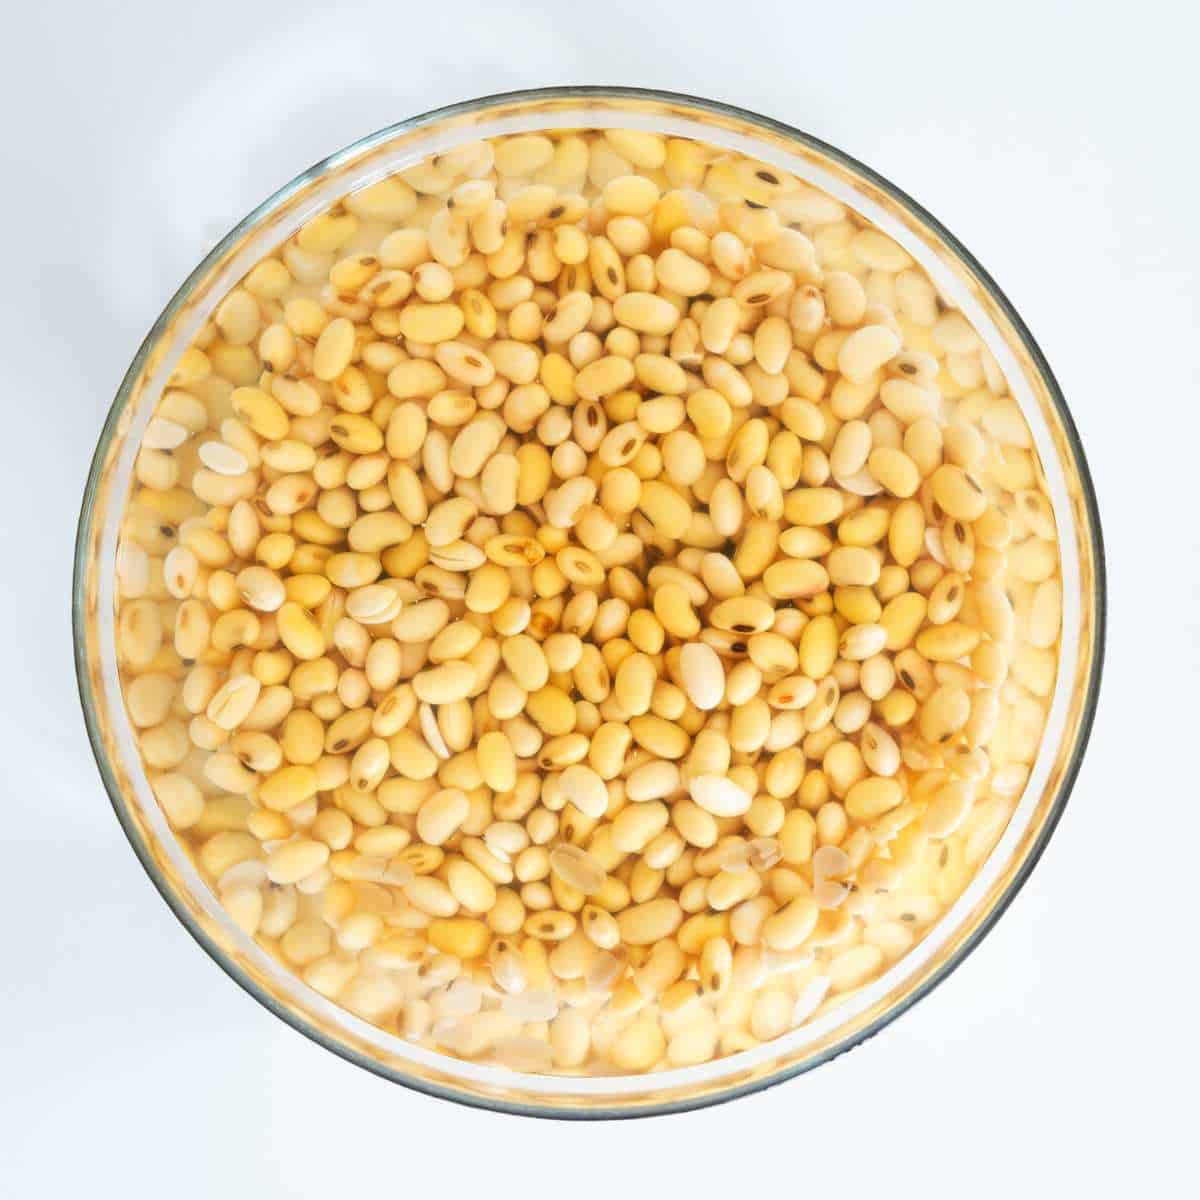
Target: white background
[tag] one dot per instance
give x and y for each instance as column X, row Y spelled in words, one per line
column 1057, row 141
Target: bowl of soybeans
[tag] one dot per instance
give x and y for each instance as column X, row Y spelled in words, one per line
column 589, row 602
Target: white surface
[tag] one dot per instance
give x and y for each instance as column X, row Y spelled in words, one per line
column 1057, row 142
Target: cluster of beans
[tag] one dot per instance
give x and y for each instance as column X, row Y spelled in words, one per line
column 587, row 603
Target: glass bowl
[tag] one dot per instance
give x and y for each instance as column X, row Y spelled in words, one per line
column 964, row 283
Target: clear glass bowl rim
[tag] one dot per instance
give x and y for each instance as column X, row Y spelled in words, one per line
column 594, row 94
